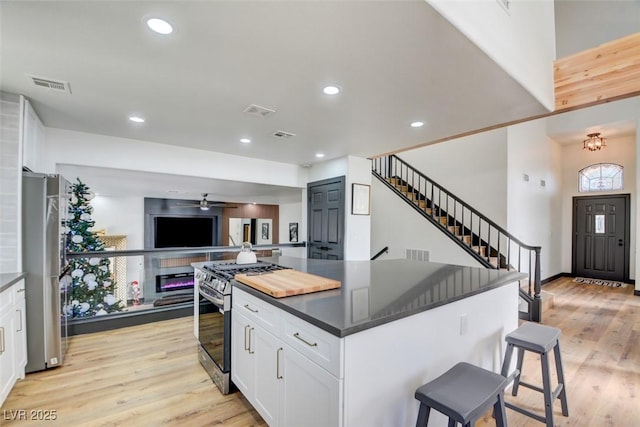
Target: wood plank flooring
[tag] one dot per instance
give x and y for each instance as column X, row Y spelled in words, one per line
column 149, row 375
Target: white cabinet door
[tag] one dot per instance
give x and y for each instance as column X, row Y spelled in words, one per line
column 242, row 356
column 310, row 394
column 20, row 326
column 7, row 353
column 267, row 354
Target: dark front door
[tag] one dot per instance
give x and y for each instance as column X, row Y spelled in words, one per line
column 601, row 237
column 326, row 218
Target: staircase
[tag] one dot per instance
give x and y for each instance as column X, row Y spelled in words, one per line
column 491, row 245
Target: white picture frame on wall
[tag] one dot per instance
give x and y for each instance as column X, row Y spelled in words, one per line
column 360, row 199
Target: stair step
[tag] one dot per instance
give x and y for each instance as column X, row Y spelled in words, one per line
column 493, row 261
column 411, row 196
column 482, row 250
column 443, row 220
column 455, row 229
column 422, row 204
column 466, row 238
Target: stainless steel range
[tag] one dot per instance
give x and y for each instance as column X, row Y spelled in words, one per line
column 214, row 315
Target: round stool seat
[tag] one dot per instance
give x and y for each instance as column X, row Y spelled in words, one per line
column 463, row 393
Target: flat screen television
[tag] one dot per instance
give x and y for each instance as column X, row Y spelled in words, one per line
column 181, row 232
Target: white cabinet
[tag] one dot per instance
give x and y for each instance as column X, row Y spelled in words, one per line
column 13, row 347
column 33, row 134
column 286, row 386
column 311, row 396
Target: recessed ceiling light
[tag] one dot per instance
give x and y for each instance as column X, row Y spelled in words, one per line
column 331, row 90
column 417, row 124
column 245, row 140
column 136, row 119
column 319, row 155
column 160, row 26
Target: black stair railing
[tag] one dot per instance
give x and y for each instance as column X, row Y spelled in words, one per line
column 486, row 241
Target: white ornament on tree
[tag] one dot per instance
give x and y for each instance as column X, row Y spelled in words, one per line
column 77, row 238
column 92, row 285
column 77, row 273
column 85, row 217
column 110, row 299
column 84, row 307
column 89, row 278
column 94, row 261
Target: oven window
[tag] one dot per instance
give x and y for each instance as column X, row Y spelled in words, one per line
column 211, row 332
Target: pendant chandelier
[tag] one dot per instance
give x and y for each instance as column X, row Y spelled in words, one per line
column 594, row 142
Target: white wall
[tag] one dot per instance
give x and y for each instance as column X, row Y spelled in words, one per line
column 397, row 225
column 636, row 255
column 621, row 151
column 292, row 212
column 534, row 211
column 473, row 168
column 70, row 147
column 521, row 41
column 10, row 184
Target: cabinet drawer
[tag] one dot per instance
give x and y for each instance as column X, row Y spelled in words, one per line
column 256, row 310
column 319, row 346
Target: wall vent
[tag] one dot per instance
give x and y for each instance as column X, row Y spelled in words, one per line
column 259, row 111
column 56, row 85
column 417, row 255
column 282, row 134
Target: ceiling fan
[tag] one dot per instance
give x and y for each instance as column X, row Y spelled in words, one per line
column 205, row 205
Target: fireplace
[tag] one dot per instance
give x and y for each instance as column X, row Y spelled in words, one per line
column 174, row 282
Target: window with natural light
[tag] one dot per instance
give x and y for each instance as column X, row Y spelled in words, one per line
column 600, row 177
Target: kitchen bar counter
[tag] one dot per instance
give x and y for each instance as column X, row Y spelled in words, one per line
column 8, row 279
column 392, row 326
column 377, row 292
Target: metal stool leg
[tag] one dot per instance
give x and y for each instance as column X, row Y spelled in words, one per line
column 546, row 389
column 516, row 379
column 452, row 423
column 423, row 415
column 560, row 374
column 499, row 412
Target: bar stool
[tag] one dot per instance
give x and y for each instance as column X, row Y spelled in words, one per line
column 463, row 393
column 538, row 339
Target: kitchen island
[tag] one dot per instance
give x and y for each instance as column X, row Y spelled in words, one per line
column 355, row 355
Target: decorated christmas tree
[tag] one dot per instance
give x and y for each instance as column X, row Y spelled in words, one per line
column 91, row 290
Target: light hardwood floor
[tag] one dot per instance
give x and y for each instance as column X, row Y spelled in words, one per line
column 149, row 375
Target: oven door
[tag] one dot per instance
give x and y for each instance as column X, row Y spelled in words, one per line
column 214, row 331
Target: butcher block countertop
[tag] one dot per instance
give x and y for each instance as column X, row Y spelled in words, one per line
column 286, row 283
column 373, row 293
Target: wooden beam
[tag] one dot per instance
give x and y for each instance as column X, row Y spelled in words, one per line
column 597, row 75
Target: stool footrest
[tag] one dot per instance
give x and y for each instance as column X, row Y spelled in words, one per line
column 531, row 386
column 557, row 392
column 525, row 412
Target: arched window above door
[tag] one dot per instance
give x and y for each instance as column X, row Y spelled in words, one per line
column 600, row 177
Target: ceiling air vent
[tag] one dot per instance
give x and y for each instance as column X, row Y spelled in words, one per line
column 257, row 110
column 57, row 85
column 283, row 135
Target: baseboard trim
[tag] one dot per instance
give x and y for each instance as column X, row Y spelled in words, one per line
column 132, row 318
column 555, row 277
column 636, row 293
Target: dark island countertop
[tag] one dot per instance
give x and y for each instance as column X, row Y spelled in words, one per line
column 377, row 292
column 9, row 279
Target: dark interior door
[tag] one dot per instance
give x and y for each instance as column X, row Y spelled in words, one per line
column 326, row 219
column 601, row 237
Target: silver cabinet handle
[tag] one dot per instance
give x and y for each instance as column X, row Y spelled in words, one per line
column 250, row 351
column 297, row 335
column 247, row 347
column 1, row 339
column 278, row 375
column 20, row 311
column 250, row 309
column 20, row 290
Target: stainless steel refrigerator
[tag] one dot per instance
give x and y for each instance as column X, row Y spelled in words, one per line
column 45, row 201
